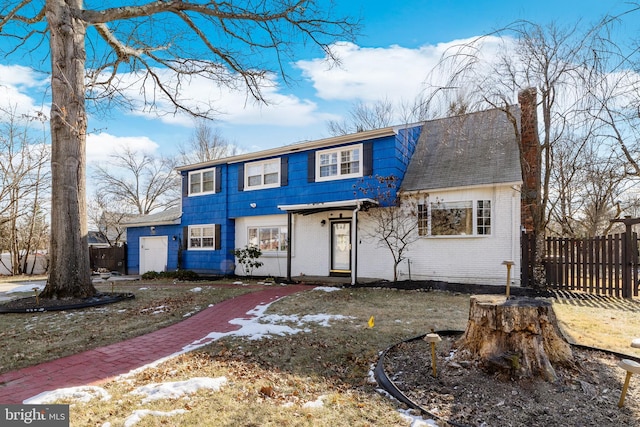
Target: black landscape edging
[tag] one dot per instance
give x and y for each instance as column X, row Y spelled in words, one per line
column 90, row 302
column 389, row 386
column 465, row 288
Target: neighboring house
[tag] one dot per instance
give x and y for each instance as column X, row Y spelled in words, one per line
column 97, row 239
column 113, row 228
column 302, row 205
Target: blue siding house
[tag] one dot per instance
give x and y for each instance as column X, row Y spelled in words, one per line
column 251, row 199
column 309, row 206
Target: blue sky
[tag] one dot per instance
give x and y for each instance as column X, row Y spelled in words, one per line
column 399, row 42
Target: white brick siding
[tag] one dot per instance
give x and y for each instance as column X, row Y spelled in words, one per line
column 457, row 259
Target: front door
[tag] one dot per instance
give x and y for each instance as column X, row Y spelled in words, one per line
column 341, row 247
column 153, row 253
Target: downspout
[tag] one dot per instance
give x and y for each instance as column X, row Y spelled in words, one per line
column 354, row 248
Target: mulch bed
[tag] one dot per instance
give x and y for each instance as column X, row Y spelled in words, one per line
column 463, row 394
column 33, row 305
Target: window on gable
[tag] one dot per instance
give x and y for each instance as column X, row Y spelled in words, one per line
column 202, row 182
column 262, row 174
column 268, row 239
column 202, row 236
column 344, row 162
column 455, row 218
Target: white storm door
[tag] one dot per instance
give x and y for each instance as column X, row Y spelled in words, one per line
column 341, row 247
column 153, row 253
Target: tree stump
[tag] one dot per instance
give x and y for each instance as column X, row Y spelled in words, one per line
column 519, row 336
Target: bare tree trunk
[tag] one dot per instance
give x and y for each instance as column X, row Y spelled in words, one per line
column 13, row 233
column 70, row 274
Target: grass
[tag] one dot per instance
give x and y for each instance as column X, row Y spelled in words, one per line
column 610, row 324
column 28, row 339
column 273, row 381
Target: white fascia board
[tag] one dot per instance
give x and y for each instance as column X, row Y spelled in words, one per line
column 328, row 205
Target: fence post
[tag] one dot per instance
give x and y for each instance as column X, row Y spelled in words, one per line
column 627, row 256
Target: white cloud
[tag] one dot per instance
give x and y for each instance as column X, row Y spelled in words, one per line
column 100, row 146
column 18, row 87
column 231, row 102
column 20, row 76
column 371, row 74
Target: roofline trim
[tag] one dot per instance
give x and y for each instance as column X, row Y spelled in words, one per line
column 302, row 146
column 461, row 187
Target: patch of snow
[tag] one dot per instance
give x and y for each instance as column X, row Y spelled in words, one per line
column 176, row 390
column 251, row 326
column 196, row 290
column 143, row 289
column 318, row 403
column 238, row 283
column 80, row 394
column 371, row 376
column 137, row 416
column 327, row 288
column 415, row 420
column 156, row 310
column 26, row 288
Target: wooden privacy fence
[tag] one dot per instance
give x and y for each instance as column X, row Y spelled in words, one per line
column 112, row 258
column 602, row 265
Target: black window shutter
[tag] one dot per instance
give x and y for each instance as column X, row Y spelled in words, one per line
column 185, row 184
column 311, row 166
column 241, row 177
column 218, row 243
column 284, row 171
column 367, row 159
column 185, row 237
column 218, row 179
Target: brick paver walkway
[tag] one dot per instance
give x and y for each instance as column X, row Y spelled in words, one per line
column 101, row 364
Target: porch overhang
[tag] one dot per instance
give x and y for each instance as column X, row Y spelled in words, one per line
column 312, row 208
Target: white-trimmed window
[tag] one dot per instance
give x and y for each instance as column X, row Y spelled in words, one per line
column 483, row 217
column 268, row 238
column 455, row 218
column 202, row 237
column 339, row 163
column 264, row 174
column 202, row 182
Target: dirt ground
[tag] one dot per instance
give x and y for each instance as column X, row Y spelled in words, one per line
column 464, row 394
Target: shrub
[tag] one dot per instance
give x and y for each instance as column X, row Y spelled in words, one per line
column 185, row 275
column 248, row 259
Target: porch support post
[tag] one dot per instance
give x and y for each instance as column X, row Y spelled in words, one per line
column 289, row 232
column 354, row 245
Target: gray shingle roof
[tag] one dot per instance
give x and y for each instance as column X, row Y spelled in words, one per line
column 170, row 216
column 467, row 150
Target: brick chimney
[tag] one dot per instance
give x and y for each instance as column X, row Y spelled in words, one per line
column 530, row 156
